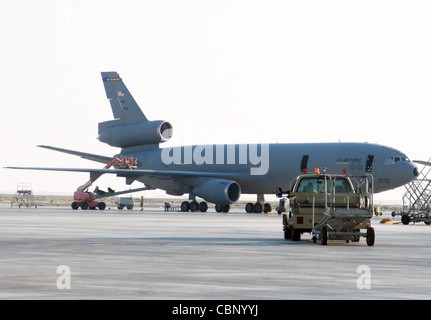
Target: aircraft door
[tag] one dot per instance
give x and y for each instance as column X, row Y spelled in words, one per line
column 369, row 163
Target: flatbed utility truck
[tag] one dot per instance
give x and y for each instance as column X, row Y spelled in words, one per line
column 329, row 207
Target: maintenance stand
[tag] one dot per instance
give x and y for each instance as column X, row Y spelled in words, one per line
column 23, row 196
column 417, row 199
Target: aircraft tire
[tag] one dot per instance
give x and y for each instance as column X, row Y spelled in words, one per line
column 203, row 206
column 185, row 206
column 222, row 208
column 267, row 207
column 257, row 208
column 194, row 206
column 249, row 207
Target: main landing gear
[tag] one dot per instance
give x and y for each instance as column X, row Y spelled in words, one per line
column 194, row 206
column 258, row 207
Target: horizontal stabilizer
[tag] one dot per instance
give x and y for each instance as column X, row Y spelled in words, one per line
column 84, row 155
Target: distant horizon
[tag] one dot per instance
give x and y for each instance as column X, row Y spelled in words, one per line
column 244, row 197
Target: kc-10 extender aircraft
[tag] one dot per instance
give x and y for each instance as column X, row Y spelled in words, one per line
column 220, row 173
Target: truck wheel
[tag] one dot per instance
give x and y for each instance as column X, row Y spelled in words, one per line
column 296, row 235
column 371, row 236
column 287, row 232
column 101, row 205
column 324, row 236
column 75, row 205
column 84, row 205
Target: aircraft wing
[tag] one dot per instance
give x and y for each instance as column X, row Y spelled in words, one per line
column 139, row 173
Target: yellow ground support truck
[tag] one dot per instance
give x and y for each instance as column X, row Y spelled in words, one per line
column 330, row 207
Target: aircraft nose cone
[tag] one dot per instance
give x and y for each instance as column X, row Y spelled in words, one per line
column 415, row 172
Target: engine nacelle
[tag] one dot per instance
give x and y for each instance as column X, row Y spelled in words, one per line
column 134, row 134
column 218, row 191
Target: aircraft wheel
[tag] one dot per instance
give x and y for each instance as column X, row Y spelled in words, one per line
column 267, row 207
column 222, row 208
column 203, row 206
column 194, row 206
column 75, row 205
column 258, row 208
column 101, row 205
column 84, row 205
column 249, row 207
column 185, row 206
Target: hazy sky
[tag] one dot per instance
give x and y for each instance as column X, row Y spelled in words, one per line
column 218, row 71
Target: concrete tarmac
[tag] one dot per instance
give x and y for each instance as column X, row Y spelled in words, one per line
column 172, row 255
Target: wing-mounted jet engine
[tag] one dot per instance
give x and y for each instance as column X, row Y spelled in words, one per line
column 131, row 128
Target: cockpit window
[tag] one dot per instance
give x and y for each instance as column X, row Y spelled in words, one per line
column 395, row 159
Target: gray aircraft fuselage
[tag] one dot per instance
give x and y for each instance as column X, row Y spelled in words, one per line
column 285, row 163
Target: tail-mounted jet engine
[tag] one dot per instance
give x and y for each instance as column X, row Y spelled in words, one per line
column 134, row 134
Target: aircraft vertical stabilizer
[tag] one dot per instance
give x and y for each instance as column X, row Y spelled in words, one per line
column 131, row 128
